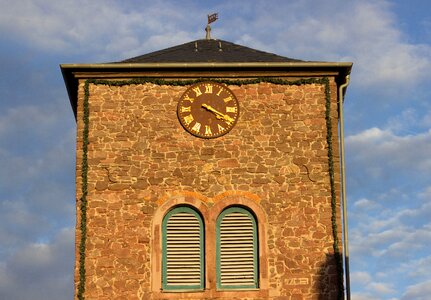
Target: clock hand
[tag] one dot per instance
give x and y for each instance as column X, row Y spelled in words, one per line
column 211, row 109
column 218, row 114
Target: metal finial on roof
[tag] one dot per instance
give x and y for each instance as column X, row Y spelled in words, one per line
column 211, row 18
column 208, row 30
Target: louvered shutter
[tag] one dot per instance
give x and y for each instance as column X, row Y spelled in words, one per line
column 236, row 250
column 182, row 250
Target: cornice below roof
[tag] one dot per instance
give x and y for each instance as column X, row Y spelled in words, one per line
column 201, row 58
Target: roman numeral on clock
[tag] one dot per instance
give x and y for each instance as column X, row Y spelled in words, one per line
column 187, row 98
column 208, row 88
column 227, row 99
column 231, row 109
column 197, row 91
column 196, row 127
column 208, row 130
column 188, row 119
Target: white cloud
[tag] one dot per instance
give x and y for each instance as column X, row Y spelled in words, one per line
column 32, row 145
column 365, row 32
column 37, row 174
column 22, row 118
column 361, row 277
column 426, row 193
column 389, row 248
column 40, row 270
column 392, row 238
column 367, row 282
column 365, row 204
column 99, row 26
column 420, row 291
column 426, row 120
column 410, row 240
column 381, row 288
column 19, row 224
column 407, row 119
column 394, row 217
column 417, row 268
column 363, row 296
column 367, row 244
column 380, row 152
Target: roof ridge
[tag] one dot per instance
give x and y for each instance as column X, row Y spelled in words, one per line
column 212, row 50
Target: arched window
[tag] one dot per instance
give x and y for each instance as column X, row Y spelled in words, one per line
column 182, row 250
column 237, row 249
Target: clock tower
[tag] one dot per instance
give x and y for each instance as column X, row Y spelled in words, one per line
column 208, row 170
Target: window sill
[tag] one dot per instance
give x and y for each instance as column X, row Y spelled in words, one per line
column 211, row 294
column 237, row 290
column 182, row 291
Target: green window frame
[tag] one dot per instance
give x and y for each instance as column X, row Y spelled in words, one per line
column 237, row 250
column 182, row 250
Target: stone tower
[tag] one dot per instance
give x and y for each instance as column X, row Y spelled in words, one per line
column 208, row 170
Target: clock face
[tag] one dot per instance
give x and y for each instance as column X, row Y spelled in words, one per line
column 208, row 110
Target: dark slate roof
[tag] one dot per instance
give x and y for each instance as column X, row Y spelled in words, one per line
column 208, row 51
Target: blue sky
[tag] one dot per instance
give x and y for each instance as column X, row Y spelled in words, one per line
column 387, row 112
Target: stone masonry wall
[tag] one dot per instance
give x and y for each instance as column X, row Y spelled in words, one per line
column 138, row 153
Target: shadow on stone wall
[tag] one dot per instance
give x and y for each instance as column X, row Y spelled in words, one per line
column 328, row 280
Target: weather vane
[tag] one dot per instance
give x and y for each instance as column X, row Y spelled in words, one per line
column 211, row 18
